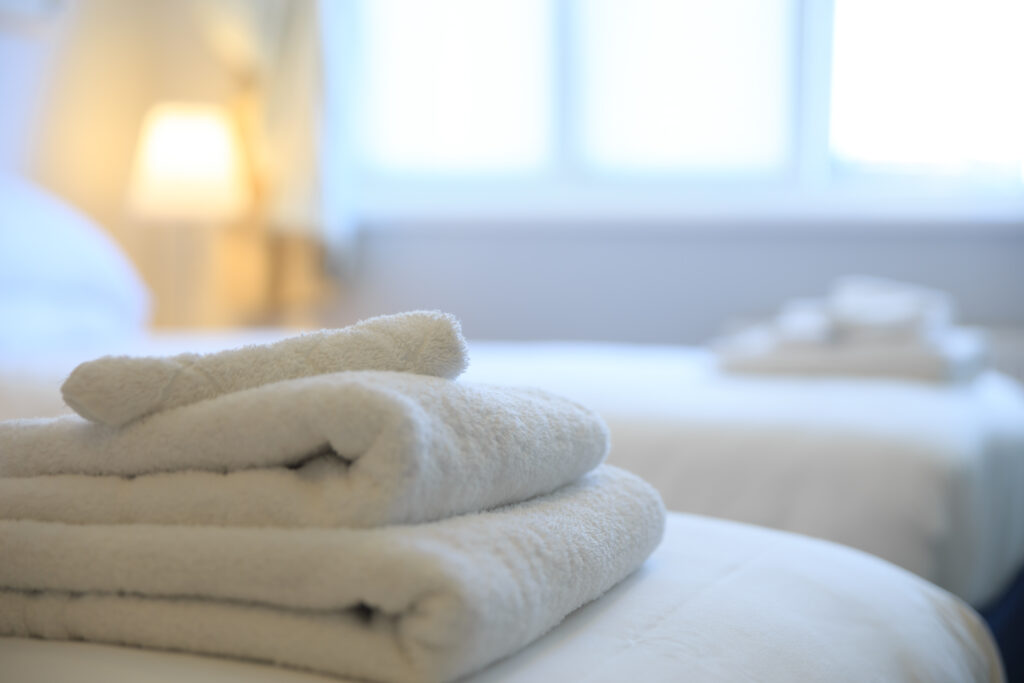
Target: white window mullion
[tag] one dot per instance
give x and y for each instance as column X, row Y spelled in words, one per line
column 813, row 64
column 564, row 152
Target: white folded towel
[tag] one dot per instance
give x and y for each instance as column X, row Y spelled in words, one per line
column 957, row 356
column 351, row 449
column 867, row 326
column 115, row 390
column 407, row 604
column 867, row 308
column 802, row 323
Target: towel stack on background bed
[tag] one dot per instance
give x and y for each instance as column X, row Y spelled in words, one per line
column 867, row 326
column 333, row 502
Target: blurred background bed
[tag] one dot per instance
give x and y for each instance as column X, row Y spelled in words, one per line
column 592, row 234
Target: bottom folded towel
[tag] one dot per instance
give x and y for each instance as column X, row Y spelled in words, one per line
column 427, row 602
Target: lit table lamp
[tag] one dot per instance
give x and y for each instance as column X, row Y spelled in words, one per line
column 189, row 184
column 188, row 166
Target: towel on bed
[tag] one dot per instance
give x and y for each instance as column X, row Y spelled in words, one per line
column 350, row 449
column 876, row 309
column 115, row 390
column 956, row 356
column 867, row 326
column 428, row 602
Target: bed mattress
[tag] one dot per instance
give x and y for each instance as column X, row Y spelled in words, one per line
column 718, row 601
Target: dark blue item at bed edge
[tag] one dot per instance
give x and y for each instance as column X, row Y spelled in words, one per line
column 1005, row 616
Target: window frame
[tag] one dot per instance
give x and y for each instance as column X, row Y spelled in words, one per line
column 815, row 189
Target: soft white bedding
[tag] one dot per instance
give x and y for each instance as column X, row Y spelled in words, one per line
column 927, row 476
column 718, row 601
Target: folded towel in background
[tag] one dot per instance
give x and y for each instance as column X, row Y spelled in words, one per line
column 350, row 449
column 429, row 602
column 802, row 323
column 115, row 390
column 867, row 326
column 957, row 357
column 878, row 309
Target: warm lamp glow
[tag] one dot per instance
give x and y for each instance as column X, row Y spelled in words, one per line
column 188, row 166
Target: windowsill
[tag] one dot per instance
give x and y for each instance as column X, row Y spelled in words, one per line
column 479, row 206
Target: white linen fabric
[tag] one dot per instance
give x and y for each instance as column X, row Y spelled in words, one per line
column 717, row 602
column 115, row 390
column 351, row 449
column 924, row 475
column 428, row 602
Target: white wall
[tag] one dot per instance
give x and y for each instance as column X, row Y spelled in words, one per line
column 662, row 285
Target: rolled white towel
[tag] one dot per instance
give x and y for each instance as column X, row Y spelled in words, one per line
column 865, row 308
column 114, row 390
column 350, row 449
column 405, row 604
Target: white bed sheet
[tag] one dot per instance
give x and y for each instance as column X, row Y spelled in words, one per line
column 717, row 602
column 926, row 476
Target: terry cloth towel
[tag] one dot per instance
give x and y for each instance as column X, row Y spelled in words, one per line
column 956, row 356
column 347, row 449
column 867, row 326
column 115, row 390
column 421, row 603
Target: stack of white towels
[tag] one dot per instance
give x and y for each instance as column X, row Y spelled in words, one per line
column 334, row 502
column 867, row 326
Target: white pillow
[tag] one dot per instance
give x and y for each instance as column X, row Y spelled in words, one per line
column 63, row 281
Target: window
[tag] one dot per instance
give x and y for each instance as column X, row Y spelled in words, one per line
column 929, row 86
column 456, row 85
column 582, row 105
column 669, row 86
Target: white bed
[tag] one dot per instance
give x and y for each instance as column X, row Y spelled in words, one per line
column 717, row 602
column 926, row 476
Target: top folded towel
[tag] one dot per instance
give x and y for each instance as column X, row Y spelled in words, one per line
column 114, row 390
column 346, row 449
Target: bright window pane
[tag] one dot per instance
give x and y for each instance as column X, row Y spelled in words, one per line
column 456, row 85
column 929, row 83
column 698, row 85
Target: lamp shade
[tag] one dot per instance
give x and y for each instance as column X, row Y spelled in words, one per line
column 188, row 166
